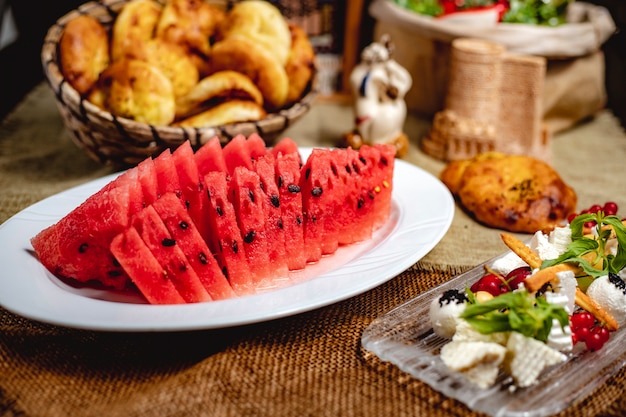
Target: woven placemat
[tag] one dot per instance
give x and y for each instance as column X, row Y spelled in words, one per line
column 311, row 364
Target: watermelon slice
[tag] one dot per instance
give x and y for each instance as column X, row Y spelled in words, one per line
column 210, row 157
column 174, row 263
column 285, row 146
column 237, row 154
column 287, row 169
column 274, row 227
column 77, row 246
column 148, row 180
column 177, row 220
column 135, row 257
column 166, row 174
column 256, row 147
column 225, row 240
column 381, row 159
column 247, row 198
column 191, row 187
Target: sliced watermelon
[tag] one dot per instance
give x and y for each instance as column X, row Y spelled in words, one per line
column 191, row 186
column 237, row 154
column 166, row 174
column 256, row 147
column 288, row 181
column 247, row 198
column 147, row 274
column 77, row 246
column 174, row 263
column 225, row 239
column 210, row 157
column 148, row 180
column 177, row 220
column 274, row 227
column 381, row 158
column 285, row 146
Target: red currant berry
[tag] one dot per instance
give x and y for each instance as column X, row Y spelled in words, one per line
column 582, row 320
column 571, row 217
column 582, row 334
column 603, row 332
column 517, row 276
column 590, row 224
column 595, row 208
column 610, row 208
column 594, row 342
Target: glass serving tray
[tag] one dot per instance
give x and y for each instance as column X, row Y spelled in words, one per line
column 404, row 338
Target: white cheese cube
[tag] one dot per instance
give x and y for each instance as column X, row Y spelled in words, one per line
column 526, row 358
column 478, row 361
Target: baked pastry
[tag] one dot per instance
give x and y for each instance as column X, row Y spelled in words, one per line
column 261, row 22
column 510, row 192
column 300, row 64
column 231, row 111
column 215, row 89
column 190, row 24
column 136, row 90
column 134, row 26
column 248, row 57
column 84, row 52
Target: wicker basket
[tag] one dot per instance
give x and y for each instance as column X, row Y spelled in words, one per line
column 120, row 141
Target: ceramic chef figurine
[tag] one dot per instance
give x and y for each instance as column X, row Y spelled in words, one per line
column 378, row 85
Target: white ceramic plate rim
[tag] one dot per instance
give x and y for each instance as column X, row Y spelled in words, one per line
column 422, row 211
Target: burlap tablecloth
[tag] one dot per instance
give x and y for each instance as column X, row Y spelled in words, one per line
column 310, row 364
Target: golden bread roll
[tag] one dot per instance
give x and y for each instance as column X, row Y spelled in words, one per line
column 190, row 24
column 231, row 111
column 510, row 192
column 83, row 52
column 300, row 64
column 245, row 56
column 175, row 63
column 216, row 88
column 135, row 25
column 261, row 22
column 136, row 90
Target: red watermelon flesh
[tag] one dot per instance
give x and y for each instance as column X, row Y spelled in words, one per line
column 174, row 263
column 209, row 157
column 148, row 180
column 177, row 220
column 381, row 159
column 247, row 198
column 256, row 146
column 166, row 174
column 147, row 274
column 191, row 187
column 225, row 241
column 77, row 246
column 287, row 169
column 360, row 197
column 274, row 227
column 285, row 146
column 236, row 154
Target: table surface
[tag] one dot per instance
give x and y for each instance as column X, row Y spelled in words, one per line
column 308, row 364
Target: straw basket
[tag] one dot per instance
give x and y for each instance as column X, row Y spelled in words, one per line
column 120, row 141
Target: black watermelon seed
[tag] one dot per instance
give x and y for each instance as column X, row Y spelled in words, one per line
column 221, row 248
column 334, row 169
column 348, row 169
column 168, row 242
column 384, row 161
column 360, row 202
column 235, row 246
column 183, row 225
column 307, row 173
column 371, row 195
column 299, row 220
column 83, row 248
column 219, row 211
column 275, row 200
column 362, row 159
column 280, row 181
column 251, row 195
column 249, row 237
column 182, row 267
column 293, row 188
column 316, row 191
column 187, row 204
column 225, row 272
column 202, row 258
column 262, row 186
column 280, row 223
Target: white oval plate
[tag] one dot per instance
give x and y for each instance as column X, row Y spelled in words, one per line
column 421, row 213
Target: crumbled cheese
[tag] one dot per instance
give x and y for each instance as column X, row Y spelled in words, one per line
column 466, row 333
column 560, row 338
column 541, row 245
column 526, row 358
column 478, row 361
column 560, row 238
column 609, row 297
column 507, row 263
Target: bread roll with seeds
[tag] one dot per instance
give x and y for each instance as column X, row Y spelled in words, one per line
column 83, row 52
